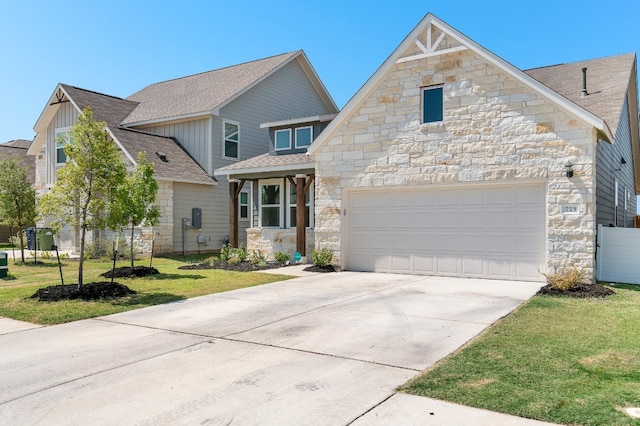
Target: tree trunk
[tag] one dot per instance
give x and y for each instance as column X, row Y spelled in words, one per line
column 131, row 247
column 81, row 262
column 21, row 237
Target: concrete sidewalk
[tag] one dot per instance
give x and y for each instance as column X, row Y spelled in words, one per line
column 320, row 349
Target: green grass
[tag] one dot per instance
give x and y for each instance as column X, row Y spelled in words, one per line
column 170, row 285
column 555, row 359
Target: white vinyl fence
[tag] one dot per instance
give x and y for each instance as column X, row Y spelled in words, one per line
column 618, row 258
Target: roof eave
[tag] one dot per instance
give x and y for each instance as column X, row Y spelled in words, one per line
column 133, row 124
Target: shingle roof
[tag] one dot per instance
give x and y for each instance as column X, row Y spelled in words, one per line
column 607, row 82
column 267, row 162
column 18, row 149
column 200, row 93
column 112, row 110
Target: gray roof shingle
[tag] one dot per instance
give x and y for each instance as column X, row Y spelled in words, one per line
column 199, row 93
column 112, row 110
column 18, row 148
column 607, row 82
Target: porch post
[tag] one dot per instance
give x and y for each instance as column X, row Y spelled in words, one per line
column 233, row 212
column 301, row 237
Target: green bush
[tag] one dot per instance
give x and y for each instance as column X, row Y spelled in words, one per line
column 566, row 278
column 282, row 256
column 257, row 258
column 322, row 257
column 225, row 252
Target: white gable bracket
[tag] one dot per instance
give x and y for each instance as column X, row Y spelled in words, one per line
column 431, row 48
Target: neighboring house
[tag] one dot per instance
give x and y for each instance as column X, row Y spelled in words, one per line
column 279, row 219
column 189, row 127
column 16, row 148
column 450, row 161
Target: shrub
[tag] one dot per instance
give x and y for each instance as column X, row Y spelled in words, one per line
column 241, row 253
column 566, row 278
column 257, row 258
column 282, row 256
column 225, row 252
column 322, row 257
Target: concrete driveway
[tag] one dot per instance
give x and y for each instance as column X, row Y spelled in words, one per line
column 326, row 349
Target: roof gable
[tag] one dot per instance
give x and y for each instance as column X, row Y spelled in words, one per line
column 207, row 92
column 432, row 37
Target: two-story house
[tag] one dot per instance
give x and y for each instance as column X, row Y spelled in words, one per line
column 189, row 127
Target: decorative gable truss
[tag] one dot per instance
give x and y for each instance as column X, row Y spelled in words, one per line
column 425, row 47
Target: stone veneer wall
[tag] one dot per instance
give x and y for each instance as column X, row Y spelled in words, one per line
column 270, row 240
column 164, row 230
column 494, row 129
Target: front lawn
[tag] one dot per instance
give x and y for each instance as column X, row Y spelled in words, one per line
column 562, row 360
column 170, row 285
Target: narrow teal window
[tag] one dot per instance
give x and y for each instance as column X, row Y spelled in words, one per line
column 432, row 105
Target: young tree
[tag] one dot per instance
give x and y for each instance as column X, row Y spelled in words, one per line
column 17, row 197
column 87, row 183
column 136, row 200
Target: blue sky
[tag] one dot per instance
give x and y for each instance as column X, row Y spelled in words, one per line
column 118, row 47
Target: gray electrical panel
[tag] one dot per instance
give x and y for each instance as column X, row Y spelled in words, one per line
column 196, row 218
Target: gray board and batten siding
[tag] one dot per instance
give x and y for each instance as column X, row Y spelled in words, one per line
column 609, row 169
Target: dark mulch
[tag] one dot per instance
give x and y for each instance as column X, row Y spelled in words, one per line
column 126, row 272
column 91, row 291
column 238, row 267
column 321, row 269
column 581, row 291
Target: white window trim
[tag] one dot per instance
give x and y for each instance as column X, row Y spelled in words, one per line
column 311, row 205
column 311, row 136
column 246, row 188
column 55, row 144
column 283, row 194
column 422, row 90
column 275, row 139
column 224, row 140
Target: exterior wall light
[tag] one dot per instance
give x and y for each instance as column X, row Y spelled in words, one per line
column 569, row 169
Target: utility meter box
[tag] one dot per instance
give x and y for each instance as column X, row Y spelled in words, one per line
column 4, row 265
column 196, row 218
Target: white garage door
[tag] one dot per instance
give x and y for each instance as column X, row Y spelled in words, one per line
column 487, row 232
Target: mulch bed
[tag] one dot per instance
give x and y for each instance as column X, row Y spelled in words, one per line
column 581, row 291
column 126, row 272
column 91, row 291
column 321, row 269
column 238, row 267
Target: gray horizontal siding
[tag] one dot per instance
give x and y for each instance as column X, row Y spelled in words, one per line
column 608, row 169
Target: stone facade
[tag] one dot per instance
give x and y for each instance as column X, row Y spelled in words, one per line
column 270, row 240
column 164, row 230
column 495, row 129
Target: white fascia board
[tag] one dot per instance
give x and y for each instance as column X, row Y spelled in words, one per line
column 196, row 182
column 500, row 63
column 253, row 170
column 44, row 119
column 291, row 121
column 217, row 109
column 168, row 120
column 311, row 73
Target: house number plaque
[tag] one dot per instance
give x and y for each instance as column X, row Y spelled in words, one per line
column 570, row 209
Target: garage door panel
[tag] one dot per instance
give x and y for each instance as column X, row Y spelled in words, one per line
column 485, row 231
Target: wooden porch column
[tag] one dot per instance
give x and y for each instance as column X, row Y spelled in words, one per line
column 234, row 192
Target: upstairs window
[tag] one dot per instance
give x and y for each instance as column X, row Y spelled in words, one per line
column 432, row 104
column 304, row 136
column 283, row 139
column 231, row 139
column 62, row 139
